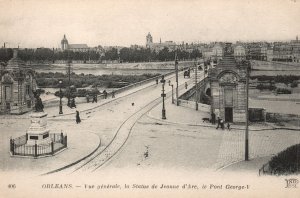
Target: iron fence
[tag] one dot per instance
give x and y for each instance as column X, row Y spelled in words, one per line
column 19, row 146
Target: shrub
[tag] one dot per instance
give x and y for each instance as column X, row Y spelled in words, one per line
column 294, row 84
column 283, row 91
column 78, row 93
column 262, row 87
column 111, row 81
column 287, row 161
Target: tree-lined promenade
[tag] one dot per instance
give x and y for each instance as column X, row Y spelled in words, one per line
column 123, row 55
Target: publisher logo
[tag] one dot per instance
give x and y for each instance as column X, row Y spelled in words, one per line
column 291, row 183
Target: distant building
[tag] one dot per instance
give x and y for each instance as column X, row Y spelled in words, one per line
column 282, row 52
column 295, row 44
column 149, row 40
column 217, row 52
column 239, row 52
column 74, row 47
column 270, row 55
column 64, row 43
column 170, row 45
column 16, row 86
column 257, row 51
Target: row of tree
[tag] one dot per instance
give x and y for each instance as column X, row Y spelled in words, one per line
column 123, row 55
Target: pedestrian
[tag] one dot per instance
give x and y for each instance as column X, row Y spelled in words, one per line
column 228, row 126
column 222, row 124
column 78, row 120
column 113, row 94
column 186, row 85
column 93, row 99
column 219, row 122
column 156, row 80
column 105, row 94
column 169, row 82
column 87, row 98
column 73, row 103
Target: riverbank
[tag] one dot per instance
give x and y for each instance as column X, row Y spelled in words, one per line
column 139, row 65
column 274, row 66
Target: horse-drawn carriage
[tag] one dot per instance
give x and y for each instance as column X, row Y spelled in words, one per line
column 187, row 73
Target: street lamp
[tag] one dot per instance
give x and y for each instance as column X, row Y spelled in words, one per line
column 196, row 87
column 60, row 96
column 163, row 95
column 176, row 73
column 247, row 116
column 172, row 93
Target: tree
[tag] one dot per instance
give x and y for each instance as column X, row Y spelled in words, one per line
column 6, row 54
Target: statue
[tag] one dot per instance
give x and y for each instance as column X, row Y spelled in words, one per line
column 39, row 107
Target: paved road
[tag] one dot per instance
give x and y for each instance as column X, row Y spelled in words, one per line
column 115, row 119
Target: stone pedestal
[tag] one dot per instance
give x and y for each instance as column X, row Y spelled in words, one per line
column 38, row 132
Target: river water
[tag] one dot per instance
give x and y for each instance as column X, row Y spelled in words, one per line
column 117, row 69
column 107, row 71
column 274, row 73
column 139, row 69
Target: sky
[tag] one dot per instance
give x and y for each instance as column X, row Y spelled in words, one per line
column 42, row 23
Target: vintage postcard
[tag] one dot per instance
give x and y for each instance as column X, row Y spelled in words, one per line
column 149, row 98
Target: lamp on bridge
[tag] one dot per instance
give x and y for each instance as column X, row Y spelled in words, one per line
column 172, row 93
column 60, row 96
column 196, row 87
column 163, row 95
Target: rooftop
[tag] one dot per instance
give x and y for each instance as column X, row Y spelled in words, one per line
column 77, row 46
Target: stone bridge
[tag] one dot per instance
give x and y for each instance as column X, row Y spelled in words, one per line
column 203, row 87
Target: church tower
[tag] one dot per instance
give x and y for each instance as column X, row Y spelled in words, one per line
column 149, row 40
column 64, row 43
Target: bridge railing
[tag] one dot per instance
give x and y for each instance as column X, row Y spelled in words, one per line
column 122, row 89
column 183, row 98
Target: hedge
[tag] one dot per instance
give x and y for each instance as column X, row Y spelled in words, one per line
column 286, row 162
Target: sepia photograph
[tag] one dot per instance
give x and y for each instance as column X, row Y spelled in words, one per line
column 149, row 98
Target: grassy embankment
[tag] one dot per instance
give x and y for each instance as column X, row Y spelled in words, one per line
column 89, row 81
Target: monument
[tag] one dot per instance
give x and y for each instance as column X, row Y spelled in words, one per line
column 38, row 141
column 38, row 132
column 228, row 87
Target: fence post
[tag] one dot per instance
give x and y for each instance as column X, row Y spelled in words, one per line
column 66, row 141
column 52, row 147
column 62, row 137
column 12, row 146
column 35, row 150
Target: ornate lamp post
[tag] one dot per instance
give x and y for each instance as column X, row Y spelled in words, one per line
column 247, row 117
column 172, row 93
column 60, row 96
column 176, row 72
column 163, row 95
